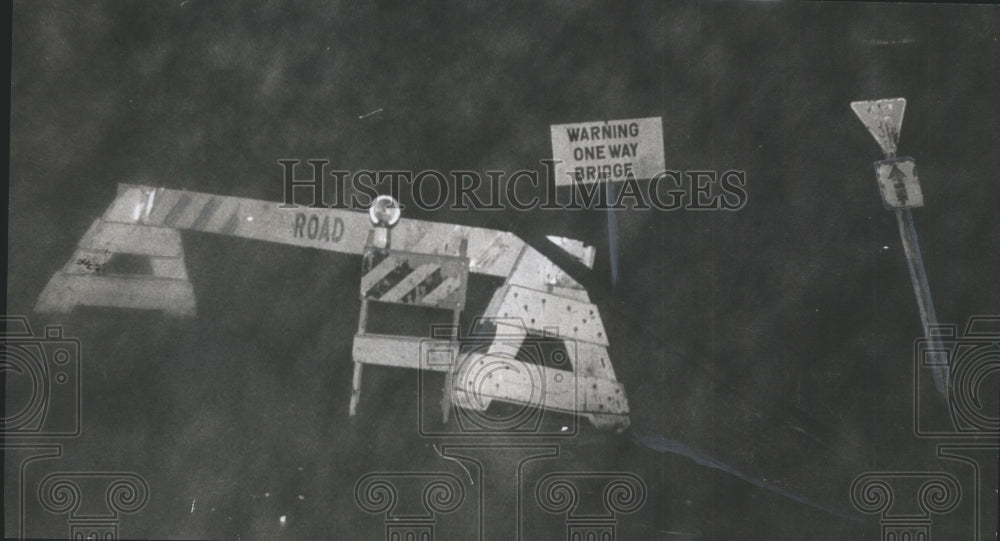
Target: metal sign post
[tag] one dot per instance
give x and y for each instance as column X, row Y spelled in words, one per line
column 608, row 151
column 900, row 189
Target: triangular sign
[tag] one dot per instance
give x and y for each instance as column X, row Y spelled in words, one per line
column 883, row 118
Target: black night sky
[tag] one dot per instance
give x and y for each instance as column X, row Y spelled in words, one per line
column 776, row 339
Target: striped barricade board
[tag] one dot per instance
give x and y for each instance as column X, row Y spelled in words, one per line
column 401, row 277
column 424, row 264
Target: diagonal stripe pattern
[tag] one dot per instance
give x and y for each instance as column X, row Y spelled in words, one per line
column 195, row 211
column 406, row 278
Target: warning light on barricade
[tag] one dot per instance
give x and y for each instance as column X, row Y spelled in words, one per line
column 384, row 211
column 384, row 214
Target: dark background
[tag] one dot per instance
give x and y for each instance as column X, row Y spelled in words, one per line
column 777, row 339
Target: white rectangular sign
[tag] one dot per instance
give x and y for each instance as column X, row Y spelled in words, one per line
column 897, row 180
column 611, row 150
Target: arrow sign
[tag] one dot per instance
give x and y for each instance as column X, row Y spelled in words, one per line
column 897, row 176
column 898, row 183
column 884, row 119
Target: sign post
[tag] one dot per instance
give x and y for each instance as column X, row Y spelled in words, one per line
column 900, row 189
column 608, row 151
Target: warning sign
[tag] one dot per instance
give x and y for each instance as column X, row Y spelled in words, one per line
column 897, row 180
column 608, row 151
column 884, row 119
